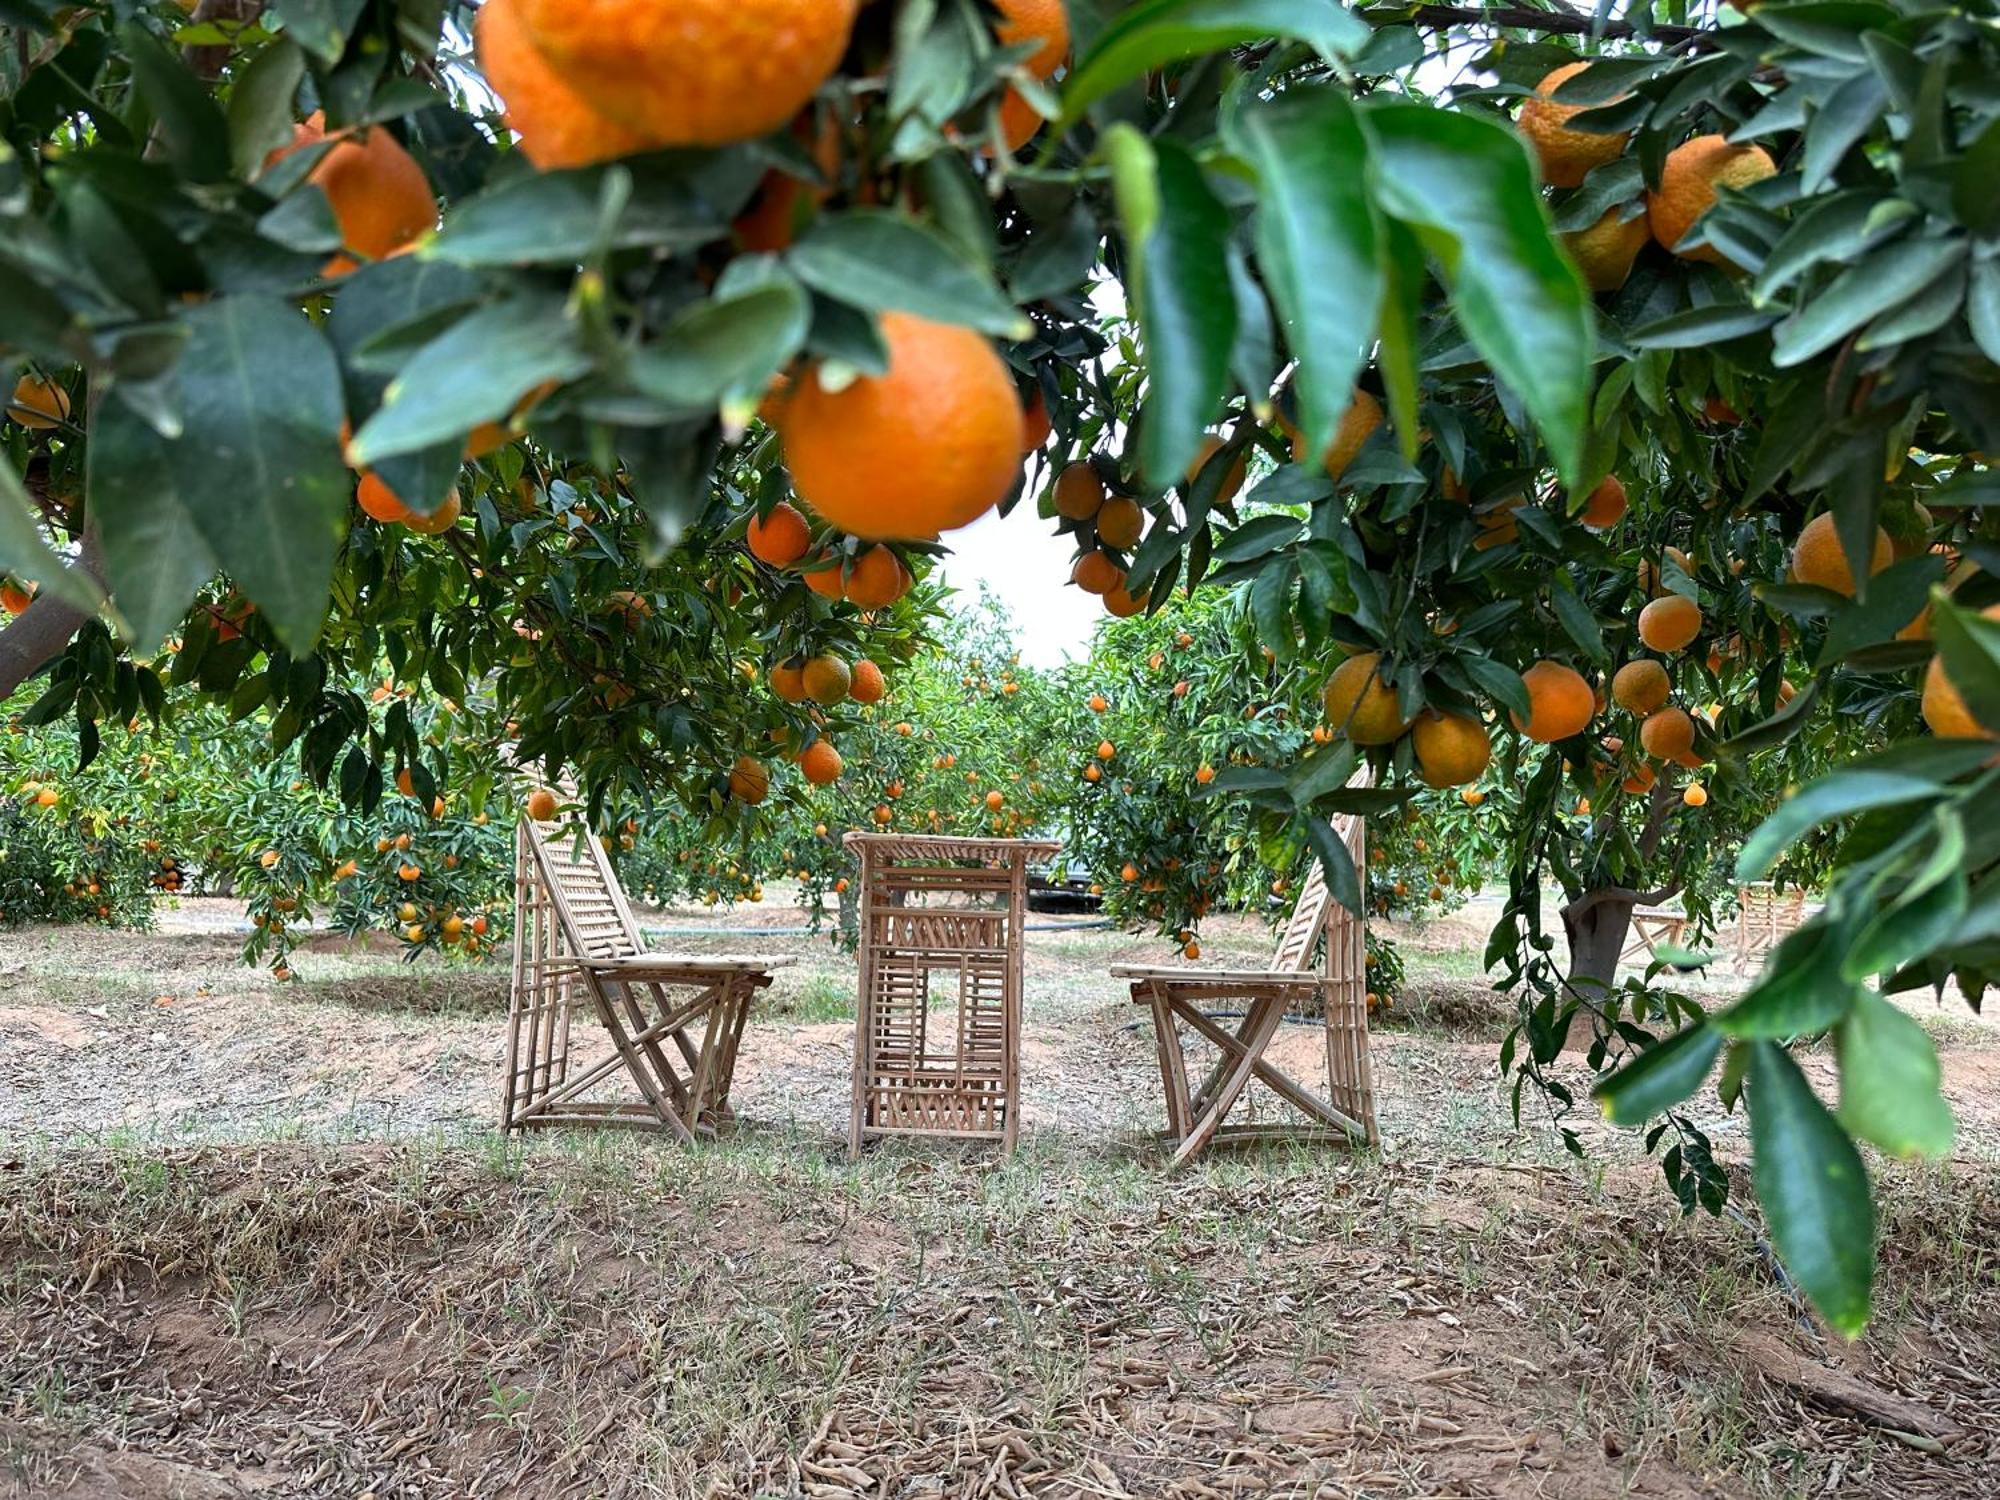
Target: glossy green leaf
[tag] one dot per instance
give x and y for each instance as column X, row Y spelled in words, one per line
column 1970, row 647
column 320, row 26
column 1317, row 244
column 1660, row 1077
column 1890, row 1081
column 725, row 348
column 1465, row 185
column 260, row 104
column 1343, row 882
column 1863, row 290
column 1801, row 991
column 190, row 123
column 885, row 261
column 26, row 555
column 1814, row 1190
column 1144, row 36
column 1841, row 794
column 1700, row 327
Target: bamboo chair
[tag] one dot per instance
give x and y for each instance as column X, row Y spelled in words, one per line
column 673, row 1023
column 1765, row 915
column 1653, row 927
column 1196, row 1117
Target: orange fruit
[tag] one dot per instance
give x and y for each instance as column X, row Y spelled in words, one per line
column 438, row 521
column 1640, row 781
column 995, row 800
column 38, row 403
column 1560, row 703
column 1566, row 155
column 1035, row 424
column 931, row 445
column 1606, row 505
column 1079, row 492
column 866, row 684
column 1670, row 622
column 557, row 127
column 1043, row 21
column 1121, row 603
column 14, row 599
column 1205, row 774
column 822, row 576
column 788, row 681
column 826, row 679
column 1232, row 479
column 692, row 72
column 380, row 197
column 1096, row 573
column 1693, row 171
column 541, row 804
column 1696, row 795
column 1360, row 704
column 781, row 538
column 784, row 202
column 1357, row 424
column 1818, row 558
column 1945, row 708
column 1452, row 749
column 1119, row 522
column 877, row 579
column 1106, row 750
column 748, row 780
column 1641, row 687
column 1667, row 734
column 378, row 501
column 1721, row 413
column 820, row 763
column 1604, row 252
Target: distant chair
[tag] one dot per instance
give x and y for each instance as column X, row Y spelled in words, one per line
column 673, row 1022
column 1653, row 928
column 1764, row 916
column 1178, row 997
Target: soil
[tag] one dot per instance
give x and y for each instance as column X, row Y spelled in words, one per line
column 261, row 1239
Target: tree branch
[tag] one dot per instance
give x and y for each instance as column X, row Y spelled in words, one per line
column 1553, row 22
column 1605, row 894
column 40, row 632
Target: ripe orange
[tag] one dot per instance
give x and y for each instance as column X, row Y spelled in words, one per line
column 1452, row 749
column 1688, row 182
column 380, row 197
column 1097, row 703
column 1119, row 521
column 1043, row 21
column 780, row 538
column 748, row 780
column 1818, row 558
column 38, row 403
column 1120, row 603
column 1096, row 573
column 1696, row 795
column 1560, row 703
column 784, row 202
column 15, row 599
column 1945, row 708
column 1360, row 704
column 995, row 801
column 1357, row 424
column 1093, row 772
column 820, row 763
column 692, row 72
column 1641, row 687
column 826, row 679
column 822, row 576
column 788, row 681
column 877, row 579
column 1232, row 479
column 1667, row 735
column 1106, row 750
column 866, row 684
column 557, row 127
column 541, row 804
column 1205, row 774
column 1079, row 492
column 1640, row 781
column 378, row 501
column 929, row 446
column 1606, row 505
column 438, row 521
column 1669, row 622
column 1035, row 424
column 1566, row 155
column 405, row 783
column 1604, row 252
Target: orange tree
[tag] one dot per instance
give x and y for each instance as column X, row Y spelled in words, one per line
column 1763, row 292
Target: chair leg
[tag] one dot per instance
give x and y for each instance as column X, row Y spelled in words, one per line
column 1259, row 1026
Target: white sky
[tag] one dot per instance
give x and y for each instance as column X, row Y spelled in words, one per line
column 1026, row 565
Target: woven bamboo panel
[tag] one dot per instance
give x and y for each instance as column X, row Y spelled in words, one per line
column 938, row 1024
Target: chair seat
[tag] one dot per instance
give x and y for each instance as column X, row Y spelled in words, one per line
column 1247, row 978
column 630, row 964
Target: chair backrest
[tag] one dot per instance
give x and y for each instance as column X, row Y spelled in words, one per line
column 595, row 915
column 1315, row 905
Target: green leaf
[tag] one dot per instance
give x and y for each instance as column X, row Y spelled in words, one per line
column 1465, row 185
column 1841, row 794
column 1144, row 36
column 1176, row 235
column 1970, row 647
column 1699, row 327
column 320, row 26
column 191, row 125
column 1578, row 623
column 1864, row 289
column 725, row 348
column 476, row 371
column 1785, row 722
column 1838, row 125
column 155, row 557
column 1814, row 1190
column 24, row 554
column 260, row 105
column 1660, row 1077
column 1972, row 179
column 1889, row 1081
column 1500, row 681
column 1326, row 770
column 1896, row 596
column 1830, row 28
column 1801, row 991
column 1317, row 243
column 879, row 260
column 1839, row 226
column 1342, row 880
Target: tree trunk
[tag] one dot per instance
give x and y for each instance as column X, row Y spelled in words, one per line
column 1596, row 927
column 41, row 631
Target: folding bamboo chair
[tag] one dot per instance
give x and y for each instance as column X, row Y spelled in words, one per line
column 1653, row 927
column 1765, row 915
column 1177, row 996
column 672, row 1023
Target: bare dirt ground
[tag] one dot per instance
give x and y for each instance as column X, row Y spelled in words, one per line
column 262, row 1240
